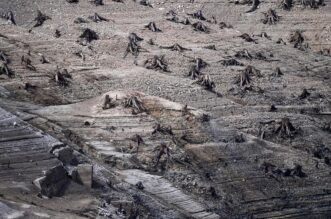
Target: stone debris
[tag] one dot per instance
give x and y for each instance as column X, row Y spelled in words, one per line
column 83, row 174
column 53, row 183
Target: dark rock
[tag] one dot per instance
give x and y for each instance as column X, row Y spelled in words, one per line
column 53, row 183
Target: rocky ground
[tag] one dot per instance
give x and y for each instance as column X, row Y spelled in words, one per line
column 215, row 112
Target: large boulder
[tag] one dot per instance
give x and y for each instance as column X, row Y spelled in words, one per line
column 83, row 174
column 53, row 183
column 66, row 155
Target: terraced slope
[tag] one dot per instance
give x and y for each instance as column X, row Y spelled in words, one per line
column 229, row 152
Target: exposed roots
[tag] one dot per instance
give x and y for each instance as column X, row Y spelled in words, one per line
column 162, row 129
column 199, row 26
column 152, row 26
column 277, row 72
column 304, row 94
column 5, row 70
column 161, row 150
column 9, row 16
column 231, row 62
column 206, row 82
column 29, row 87
column 80, row 20
column 97, row 18
column 146, row 3
column 132, row 48
column 57, row 34
column 270, row 17
column 107, row 104
column 194, row 72
column 286, row 4
column 62, row 77
column 40, row 19
column 135, row 103
column 285, row 128
column 97, row 2
column 243, row 54
column 186, row 22
column 253, row 71
column 211, row 47
column 312, row 3
column 263, row 35
column 255, row 5
column 247, row 38
column 175, row 47
column 297, row 39
column 3, row 57
column 87, row 36
column 156, row 63
column 26, row 62
column 281, row 41
column 198, row 15
column 276, row 172
column 195, row 69
column 244, row 79
column 325, row 52
column 223, row 25
column 133, row 37
column 174, row 19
